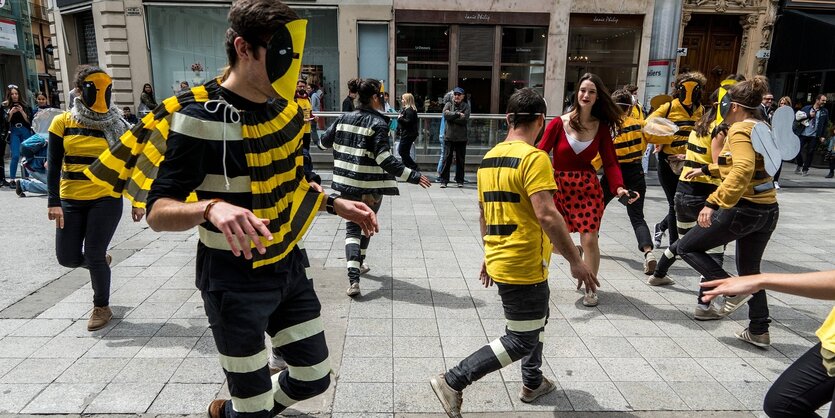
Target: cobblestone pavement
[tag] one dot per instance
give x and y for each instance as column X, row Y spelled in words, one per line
column 639, row 353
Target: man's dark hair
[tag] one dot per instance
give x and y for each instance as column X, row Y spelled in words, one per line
column 126, row 108
column 818, row 97
column 631, row 88
column 255, row 21
column 525, row 106
column 367, row 89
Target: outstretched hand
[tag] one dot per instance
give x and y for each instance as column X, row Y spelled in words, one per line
column 240, row 226
column 358, row 213
column 424, row 182
column 743, row 285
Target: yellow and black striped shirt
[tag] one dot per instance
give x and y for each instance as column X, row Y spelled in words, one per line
column 699, row 155
column 630, row 144
column 516, row 249
column 73, row 147
column 675, row 112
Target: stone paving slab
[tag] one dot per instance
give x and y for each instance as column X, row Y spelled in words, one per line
column 638, row 354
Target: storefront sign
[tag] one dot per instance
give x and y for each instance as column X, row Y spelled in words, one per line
column 8, row 34
column 657, row 72
column 133, row 11
column 472, row 18
column 606, row 19
column 481, row 17
column 596, row 20
column 422, row 48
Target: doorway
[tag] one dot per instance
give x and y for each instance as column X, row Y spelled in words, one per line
column 713, row 48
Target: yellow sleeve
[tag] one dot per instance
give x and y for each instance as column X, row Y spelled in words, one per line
column 537, row 172
column 744, row 163
column 57, row 125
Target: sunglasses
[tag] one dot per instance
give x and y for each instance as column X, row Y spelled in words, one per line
column 12, row 86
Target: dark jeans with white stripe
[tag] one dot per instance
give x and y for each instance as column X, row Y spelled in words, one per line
column 751, row 226
column 669, row 183
column 356, row 244
column 526, row 312
column 635, row 180
column 687, row 211
column 89, row 226
column 290, row 316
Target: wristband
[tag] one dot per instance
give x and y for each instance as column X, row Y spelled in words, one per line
column 329, row 203
column 209, row 207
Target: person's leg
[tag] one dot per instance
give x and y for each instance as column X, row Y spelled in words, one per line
column 16, row 138
column 69, row 240
column 405, row 152
column 526, row 309
column 103, row 218
column 442, row 154
column 669, row 183
column 811, row 146
column 591, row 250
column 801, row 389
column 373, row 202
column 38, row 185
column 238, row 321
column 449, row 150
column 607, row 195
column 353, row 238
column 461, row 155
column 831, row 167
column 779, row 170
column 3, row 181
column 799, row 158
column 635, row 180
column 749, row 254
column 296, row 329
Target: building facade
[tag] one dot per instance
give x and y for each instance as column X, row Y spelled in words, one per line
column 24, row 34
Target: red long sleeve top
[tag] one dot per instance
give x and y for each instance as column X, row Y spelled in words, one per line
column 555, row 142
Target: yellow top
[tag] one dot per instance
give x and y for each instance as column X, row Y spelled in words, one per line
column 826, row 332
column 307, row 108
column 517, row 251
column 637, row 113
column 699, row 154
column 630, row 143
column 742, row 171
column 676, row 113
column 82, row 146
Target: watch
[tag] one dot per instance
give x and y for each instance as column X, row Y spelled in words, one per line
column 329, row 203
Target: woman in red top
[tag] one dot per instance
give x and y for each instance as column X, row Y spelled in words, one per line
column 575, row 139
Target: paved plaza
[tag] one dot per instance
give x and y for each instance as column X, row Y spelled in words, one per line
column 639, row 353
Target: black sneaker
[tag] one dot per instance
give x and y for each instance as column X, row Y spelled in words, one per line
column 18, row 189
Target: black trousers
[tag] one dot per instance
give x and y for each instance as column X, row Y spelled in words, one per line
column 2, row 157
column 751, row 226
column 356, row 244
column 405, row 152
column 526, row 313
column 89, row 226
column 808, row 145
column 290, row 316
column 802, row 388
column 635, row 180
column 669, row 183
column 459, row 148
column 688, row 207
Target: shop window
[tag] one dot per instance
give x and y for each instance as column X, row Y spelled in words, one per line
column 321, row 51
column 374, row 51
column 523, row 61
column 606, row 45
column 88, row 50
column 423, row 43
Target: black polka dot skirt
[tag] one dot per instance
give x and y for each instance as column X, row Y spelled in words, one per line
column 579, row 199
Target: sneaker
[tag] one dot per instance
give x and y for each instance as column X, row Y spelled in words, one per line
column 364, row 268
column 100, row 317
column 18, row 188
column 320, row 146
column 217, row 408
column 443, row 185
column 649, row 263
column 805, row 173
column 590, row 299
column 450, row 398
column 709, row 314
column 777, row 185
column 276, row 363
column 660, row 281
column 732, row 303
column 797, row 170
column 460, row 185
column 529, row 395
column 353, row 289
column 761, row 340
column 659, row 235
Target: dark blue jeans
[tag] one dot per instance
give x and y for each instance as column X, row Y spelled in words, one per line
column 669, row 183
column 802, row 388
column 89, row 226
column 751, row 226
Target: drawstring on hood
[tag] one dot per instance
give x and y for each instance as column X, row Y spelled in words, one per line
column 222, row 106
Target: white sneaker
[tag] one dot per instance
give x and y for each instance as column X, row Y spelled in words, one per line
column 354, row 289
column 777, row 185
column 649, row 263
column 590, row 299
column 364, row 268
column 659, row 281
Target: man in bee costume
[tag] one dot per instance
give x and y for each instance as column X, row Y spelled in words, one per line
column 685, row 110
column 237, row 143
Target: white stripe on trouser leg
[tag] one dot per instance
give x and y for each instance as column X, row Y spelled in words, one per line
column 525, row 326
column 669, row 254
column 298, row 332
column 353, row 264
column 246, row 364
column 349, row 241
column 280, row 397
column 685, row 225
column 363, row 251
column 257, row 403
column 500, row 352
column 542, row 337
column 310, row 373
column 716, row 250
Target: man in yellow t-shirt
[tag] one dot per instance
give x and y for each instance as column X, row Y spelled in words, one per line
column 519, row 222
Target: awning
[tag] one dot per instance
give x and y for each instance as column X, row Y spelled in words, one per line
column 809, row 49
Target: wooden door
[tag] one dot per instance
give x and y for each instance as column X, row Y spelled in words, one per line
column 713, row 47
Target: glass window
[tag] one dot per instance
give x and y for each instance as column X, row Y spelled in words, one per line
column 476, row 44
column 374, row 51
column 321, row 54
column 516, row 77
column 477, row 82
column 524, row 45
column 427, row 82
column 423, row 42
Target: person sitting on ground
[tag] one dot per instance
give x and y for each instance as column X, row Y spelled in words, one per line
column 34, row 153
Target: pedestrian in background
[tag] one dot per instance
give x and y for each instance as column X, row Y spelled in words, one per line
column 446, row 99
column 407, row 129
column 129, row 117
column 43, row 103
column 18, row 116
column 348, row 102
column 147, row 101
column 364, row 170
column 184, row 85
column 85, row 214
column 814, row 119
column 457, row 116
column 575, row 139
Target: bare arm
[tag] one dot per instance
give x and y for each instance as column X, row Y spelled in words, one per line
column 815, row 285
column 172, row 215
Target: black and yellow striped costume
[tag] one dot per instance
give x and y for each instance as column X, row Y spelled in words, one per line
column 211, row 142
column 757, row 189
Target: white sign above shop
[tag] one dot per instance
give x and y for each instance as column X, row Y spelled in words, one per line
column 8, row 34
